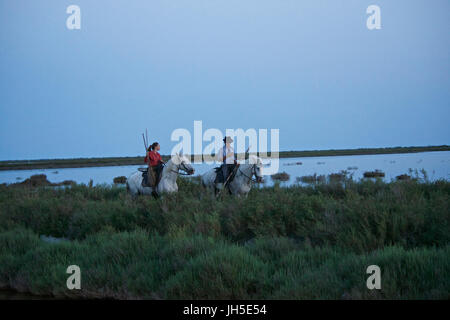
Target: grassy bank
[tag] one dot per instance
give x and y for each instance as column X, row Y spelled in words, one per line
column 360, row 151
column 124, row 161
column 281, row 243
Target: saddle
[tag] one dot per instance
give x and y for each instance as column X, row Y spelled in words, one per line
column 219, row 174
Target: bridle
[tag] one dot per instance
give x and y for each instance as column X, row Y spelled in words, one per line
column 251, row 176
column 182, row 165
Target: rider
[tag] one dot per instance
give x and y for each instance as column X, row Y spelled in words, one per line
column 154, row 160
column 226, row 155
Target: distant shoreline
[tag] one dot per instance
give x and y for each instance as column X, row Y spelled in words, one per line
column 126, row 161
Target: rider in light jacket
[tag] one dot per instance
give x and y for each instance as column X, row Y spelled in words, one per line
column 226, row 155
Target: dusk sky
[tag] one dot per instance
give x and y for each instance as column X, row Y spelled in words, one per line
column 311, row 69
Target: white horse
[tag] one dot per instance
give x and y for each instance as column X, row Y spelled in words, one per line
column 168, row 182
column 241, row 183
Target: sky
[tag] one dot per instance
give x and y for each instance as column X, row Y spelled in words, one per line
column 311, row 69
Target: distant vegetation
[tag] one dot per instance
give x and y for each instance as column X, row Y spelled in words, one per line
column 298, row 163
column 120, row 180
column 312, row 178
column 373, row 174
column 341, row 176
column 280, row 176
column 122, row 161
column 312, row 242
column 40, row 180
column 338, row 177
column 360, row 151
column 403, row 177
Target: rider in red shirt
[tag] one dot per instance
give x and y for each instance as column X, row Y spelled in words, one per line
column 154, row 160
column 153, row 157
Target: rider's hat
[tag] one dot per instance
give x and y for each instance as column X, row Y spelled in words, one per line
column 227, row 139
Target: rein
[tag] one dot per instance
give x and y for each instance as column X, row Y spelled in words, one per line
column 251, row 177
column 178, row 172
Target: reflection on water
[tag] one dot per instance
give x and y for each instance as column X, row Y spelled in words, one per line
column 436, row 164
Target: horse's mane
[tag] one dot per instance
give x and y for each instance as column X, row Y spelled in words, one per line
column 252, row 159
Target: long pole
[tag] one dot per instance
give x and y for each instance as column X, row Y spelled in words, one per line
column 145, row 144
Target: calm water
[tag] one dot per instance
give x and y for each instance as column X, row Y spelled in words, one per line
column 437, row 165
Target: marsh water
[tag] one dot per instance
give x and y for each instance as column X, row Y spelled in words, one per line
column 436, row 164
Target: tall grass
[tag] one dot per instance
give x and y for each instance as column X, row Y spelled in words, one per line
column 283, row 243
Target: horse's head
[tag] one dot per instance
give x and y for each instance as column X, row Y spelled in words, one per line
column 257, row 167
column 182, row 163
